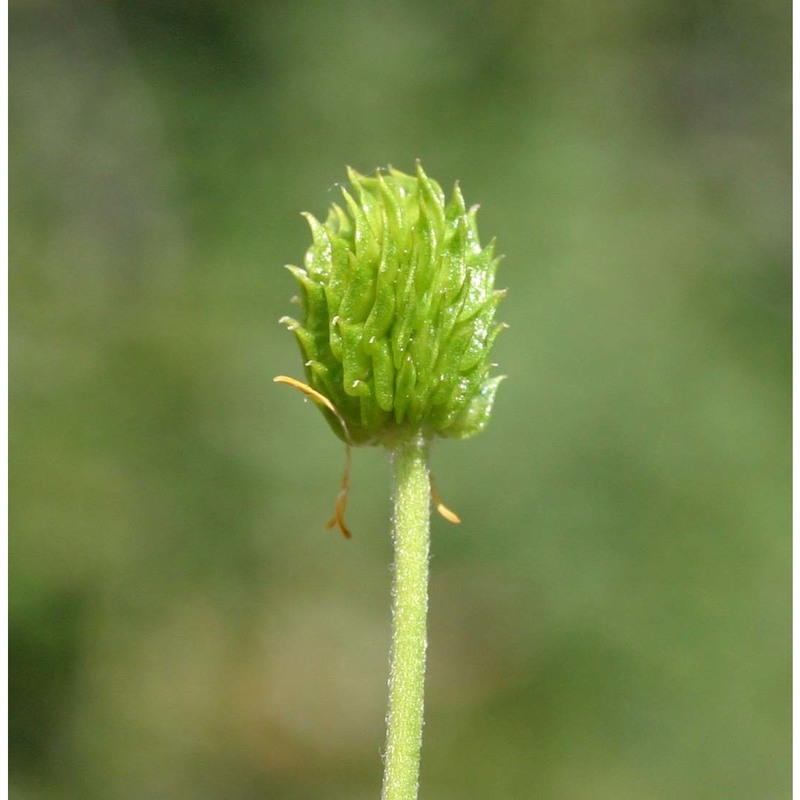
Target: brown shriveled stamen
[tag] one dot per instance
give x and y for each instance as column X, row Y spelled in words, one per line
column 449, row 515
column 341, row 500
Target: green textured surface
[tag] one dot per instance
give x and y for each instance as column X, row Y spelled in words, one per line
column 398, row 306
column 611, row 621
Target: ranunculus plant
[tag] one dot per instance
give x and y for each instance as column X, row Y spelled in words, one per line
column 398, row 306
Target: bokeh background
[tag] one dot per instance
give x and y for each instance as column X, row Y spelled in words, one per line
column 611, row 620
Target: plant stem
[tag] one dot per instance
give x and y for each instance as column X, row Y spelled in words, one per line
column 411, row 535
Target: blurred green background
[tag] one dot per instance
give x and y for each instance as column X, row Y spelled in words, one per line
column 611, row 621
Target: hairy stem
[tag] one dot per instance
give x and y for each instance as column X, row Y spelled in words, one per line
column 411, row 534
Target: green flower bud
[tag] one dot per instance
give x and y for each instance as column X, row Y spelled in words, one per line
column 398, row 305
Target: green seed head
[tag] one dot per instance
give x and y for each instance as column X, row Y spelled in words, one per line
column 398, row 307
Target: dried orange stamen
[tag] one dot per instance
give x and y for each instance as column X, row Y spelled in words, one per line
column 341, row 499
column 449, row 515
